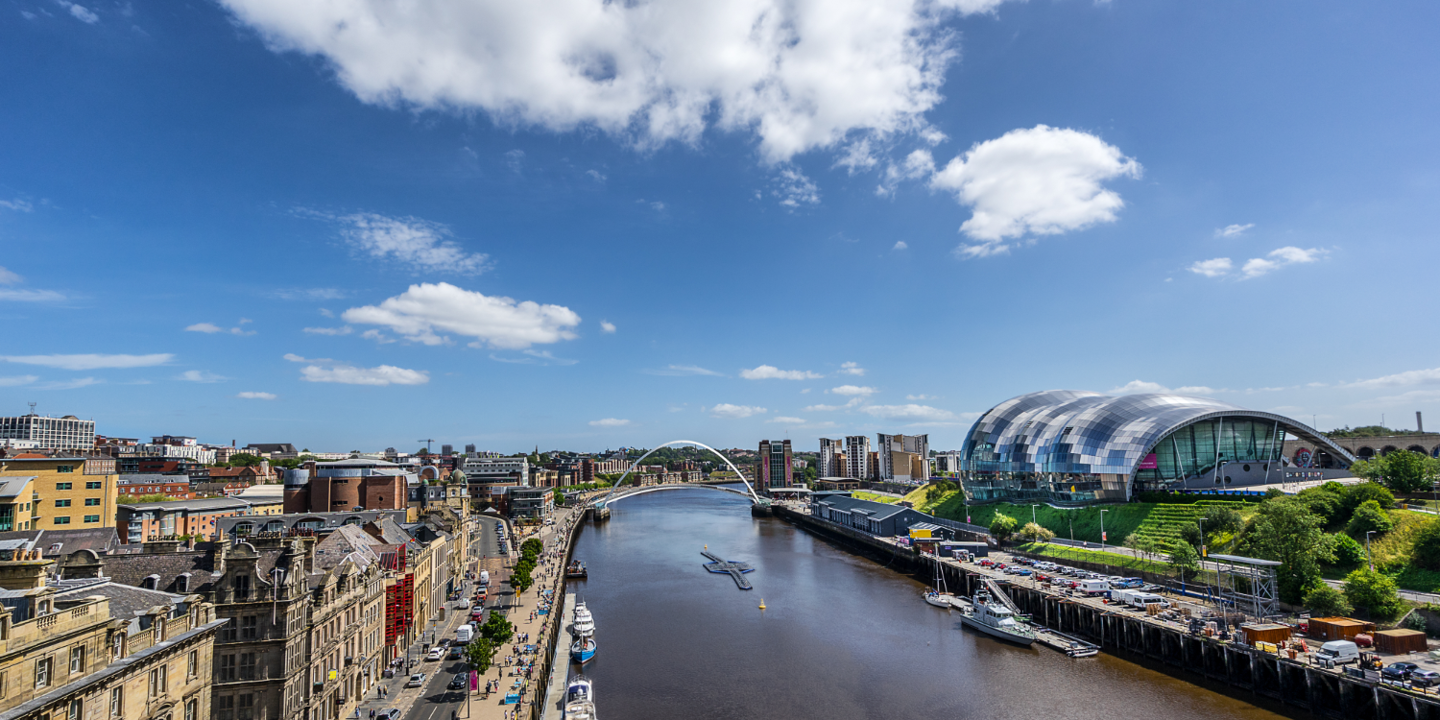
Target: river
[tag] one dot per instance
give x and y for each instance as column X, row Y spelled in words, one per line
column 841, row 637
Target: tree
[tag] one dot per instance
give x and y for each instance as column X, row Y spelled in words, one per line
column 1221, row 520
column 1374, row 592
column 532, row 548
column 1036, row 533
column 1184, row 559
column 1402, row 471
column 1348, row 552
column 1325, row 502
column 245, row 460
column 1285, row 530
column 1191, row 535
column 1326, row 601
column 1002, row 526
column 1369, row 517
column 480, row 653
column 153, row 498
column 497, row 629
column 1426, row 552
column 1356, row 495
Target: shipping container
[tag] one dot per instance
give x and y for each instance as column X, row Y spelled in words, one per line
column 1256, row 633
column 1338, row 628
column 1400, row 642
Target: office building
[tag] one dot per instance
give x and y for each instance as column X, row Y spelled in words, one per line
column 903, row 458
column 57, row 493
column 62, row 433
column 772, row 466
column 830, row 462
column 346, row 485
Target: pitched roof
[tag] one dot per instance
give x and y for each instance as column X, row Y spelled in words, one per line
column 54, row 543
column 126, row 601
column 14, row 486
column 348, row 541
column 872, row 510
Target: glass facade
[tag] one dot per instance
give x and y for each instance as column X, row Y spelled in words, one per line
column 1074, row 447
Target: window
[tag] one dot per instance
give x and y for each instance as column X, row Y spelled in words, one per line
column 190, row 710
column 62, row 520
column 62, row 486
column 247, row 707
column 42, row 673
column 242, row 586
column 191, row 663
column 225, row 707
column 77, row 659
column 247, row 666
column 249, row 628
column 93, row 485
column 92, row 502
column 157, row 681
column 65, row 469
column 92, row 518
column 227, row 668
column 63, row 502
column 2, row 685
column 117, row 701
column 77, row 708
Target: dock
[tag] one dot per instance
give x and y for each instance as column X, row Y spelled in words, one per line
column 736, row 570
column 554, row 705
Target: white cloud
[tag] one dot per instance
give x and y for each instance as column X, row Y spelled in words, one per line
column 856, row 157
column 900, row 245
column 918, row 164
column 31, row 295
column 853, row 390
column 344, row 330
column 683, row 370
column 831, row 408
column 327, row 312
column 726, row 410
column 80, row 12
column 200, row 376
column 309, row 294
column 420, row 244
column 7, row 277
column 920, row 397
column 1135, row 387
column 17, row 205
column 770, row 372
column 908, row 411
column 377, row 336
column 17, row 380
column 800, row 76
column 204, row 328
column 784, row 420
column 596, row 174
column 1410, row 377
column 1038, row 181
column 794, row 189
column 1233, row 230
column 1212, row 268
column 425, row 310
column 606, row 326
column 334, row 371
column 851, row 368
column 1277, row 259
column 252, row 395
column 609, row 422
column 91, row 361
column 70, row 384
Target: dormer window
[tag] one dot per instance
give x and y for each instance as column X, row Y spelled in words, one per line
column 151, row 582
column 182, row 583
column 242, row 586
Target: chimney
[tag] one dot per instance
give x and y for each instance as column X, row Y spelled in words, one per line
column 1419, row 424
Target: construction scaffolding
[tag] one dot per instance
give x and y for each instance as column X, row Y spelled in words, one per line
column 1247, row 584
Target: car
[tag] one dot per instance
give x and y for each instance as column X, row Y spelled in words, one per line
column 1424, row 678
column 445, row 642
column 390, row 714
column 459, row 682
column 415, row 680
column 456, row 653
column 435, row 654
column 1398, row 670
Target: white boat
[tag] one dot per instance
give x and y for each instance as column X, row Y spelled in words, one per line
column 584, row 624
column 579, row 699
column 939, row 596
column 992, row 618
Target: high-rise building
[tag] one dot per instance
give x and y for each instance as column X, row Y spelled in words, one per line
column 470, row 448
column 773, row 467
column 447, row 450
column 831, row 462
column 902, row 457
column 62, row 433
column 857, row 456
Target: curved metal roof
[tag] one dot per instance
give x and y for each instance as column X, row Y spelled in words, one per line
column 1075, row 431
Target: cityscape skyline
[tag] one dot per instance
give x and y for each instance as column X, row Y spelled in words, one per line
column 219, row 225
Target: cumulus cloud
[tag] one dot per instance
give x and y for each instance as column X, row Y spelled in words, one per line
column 7, row 277
column 211, row 328
column 420, row 244
column 200, row 376
column 916, row 165
column 1233, row 230
column 609, row 422
column 79, row 12
column 607, row 327
column 785, row 420
column 850, row 368
column 726, row 410
column 1212, row 268
column 91, row 361
column 800, row 76
column 1037, row 181
column 1277, row 259
column 683, row 370
column 1135, row 387
column 252, row 395
column 379, row 337
column 424, row 311
column 334, row 371
column 344, row 330
column 853, row 390
column 18, row 380
column 1410, row 377
column 795, row 189
column 900, row 245
column 770, row 372
column 17, row 205
column 909, row 411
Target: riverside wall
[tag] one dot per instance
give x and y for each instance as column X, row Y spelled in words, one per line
column 1307, row 688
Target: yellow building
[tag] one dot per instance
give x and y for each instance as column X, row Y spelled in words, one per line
column 73, row 493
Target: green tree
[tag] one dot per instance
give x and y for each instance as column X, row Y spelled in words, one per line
column 811, row 474
column 1285, row 530
column 1426, row 552
column 1184, row 559
column 1356, row 495
column 532, row 548
column 245, row 460
column 1327, row 503
column 1348, row 552
column 497, row 629
column 1326, row 601
column 1374, row 592
column 1221, row 520
column 520, row 579
column 1191, row 535
column 1369, row 517
column 1402, row 471
column 153, row 498
column 480, row 653
column 1002, row 526
column 1035, row 533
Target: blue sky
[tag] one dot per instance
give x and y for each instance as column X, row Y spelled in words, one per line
column 578, row 225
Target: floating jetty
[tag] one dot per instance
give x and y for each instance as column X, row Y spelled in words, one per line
column 736, row 570
column 1068, row 644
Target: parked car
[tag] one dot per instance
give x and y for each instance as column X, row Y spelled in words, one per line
column 390, row 714
column 435, row 654
column 456, row 653
column 415, row 680
column 1398, row 670
column 459, row 682
column 1424, row 678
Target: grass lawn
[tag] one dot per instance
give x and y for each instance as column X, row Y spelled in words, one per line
column 1120, row 520
column 1119, row 563
column 862, row 495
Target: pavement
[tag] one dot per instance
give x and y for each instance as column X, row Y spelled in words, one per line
column 432, row 700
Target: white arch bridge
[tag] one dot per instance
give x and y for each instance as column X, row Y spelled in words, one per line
column 618, row 492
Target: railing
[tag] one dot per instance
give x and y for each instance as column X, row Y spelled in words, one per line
column 45, row 622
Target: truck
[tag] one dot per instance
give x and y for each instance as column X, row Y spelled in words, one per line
column 1120, row 595
column 463, row 634
column 484, row 578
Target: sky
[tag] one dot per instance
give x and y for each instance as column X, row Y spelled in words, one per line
column 583, row 225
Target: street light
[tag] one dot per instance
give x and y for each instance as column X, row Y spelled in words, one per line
column 1102, row 530
column 1032, row 514
column 1369, row 559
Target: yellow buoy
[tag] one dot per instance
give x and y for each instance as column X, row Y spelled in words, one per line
column 707, row 547
column 762, row 603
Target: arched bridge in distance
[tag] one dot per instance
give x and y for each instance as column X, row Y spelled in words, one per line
column 619, row 492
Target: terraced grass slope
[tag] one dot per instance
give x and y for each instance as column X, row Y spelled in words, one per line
column 1165, row 521
column 1158, row 521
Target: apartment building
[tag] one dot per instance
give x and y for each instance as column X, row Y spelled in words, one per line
column 857, row 457
column 62, row 433
column 142, row 522
column 57, row 493
column 903, row 458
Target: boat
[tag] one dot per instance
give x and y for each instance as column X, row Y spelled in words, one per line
column 582, row 649
column 576, row 569
column 584, row 623
column 939, row 596
column 579, row 699
column 991, row 617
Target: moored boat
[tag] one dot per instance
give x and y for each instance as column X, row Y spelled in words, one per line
column 580, row 699
column 992, row 618
column 939, row 596
column 576, row 569
column 584, row 623
column 583, row 649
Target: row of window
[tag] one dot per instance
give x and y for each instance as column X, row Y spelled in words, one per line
column 65, row 519
column 89, row 502
column 89, row 484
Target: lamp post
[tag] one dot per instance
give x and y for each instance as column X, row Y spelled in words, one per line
column 1102, row 530
column 1368, row 559
column 1032, row 514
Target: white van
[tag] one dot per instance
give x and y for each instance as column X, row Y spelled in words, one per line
column 1338, row 652
column 484, row 578
column 1143, row 600
column 1093, row 587
column 463, row 634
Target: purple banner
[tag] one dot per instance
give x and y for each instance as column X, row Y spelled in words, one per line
column 1149, row 463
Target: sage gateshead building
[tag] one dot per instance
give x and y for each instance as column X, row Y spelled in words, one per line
column 1075, row 447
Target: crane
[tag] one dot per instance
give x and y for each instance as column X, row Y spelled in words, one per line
column 427, row 442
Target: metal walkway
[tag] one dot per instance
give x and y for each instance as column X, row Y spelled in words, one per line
column 737, row 570
column 1003, row 597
